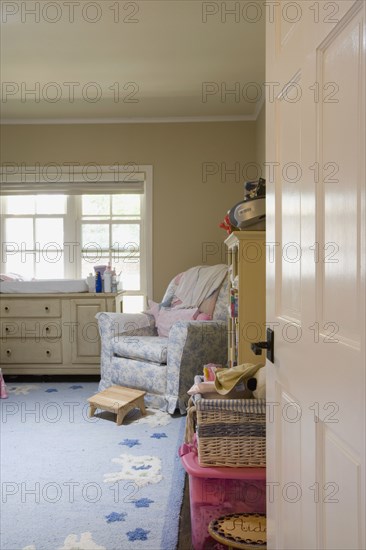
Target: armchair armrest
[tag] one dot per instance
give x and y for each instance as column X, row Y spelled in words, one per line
column 111, row 326
column 191, row 345
column 129, row 324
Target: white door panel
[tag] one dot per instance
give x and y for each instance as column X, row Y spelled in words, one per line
column 315, row 154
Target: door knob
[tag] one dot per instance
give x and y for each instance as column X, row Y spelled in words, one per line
column 258, row 347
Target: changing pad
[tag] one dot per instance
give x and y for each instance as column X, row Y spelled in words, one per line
column 47, row 286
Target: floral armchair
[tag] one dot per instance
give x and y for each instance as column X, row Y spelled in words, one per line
column 135, row 356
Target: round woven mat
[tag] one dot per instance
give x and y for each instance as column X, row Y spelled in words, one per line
column 247, row 531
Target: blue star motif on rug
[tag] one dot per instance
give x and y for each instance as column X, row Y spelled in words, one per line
column 51, row 390
column 158, row 436
column 75, row 387
column 138, row 534
column 143, row 503
column 130, row 442
column 143, row 467
column 114, row 516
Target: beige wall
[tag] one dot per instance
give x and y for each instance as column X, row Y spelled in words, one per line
column 186, row 210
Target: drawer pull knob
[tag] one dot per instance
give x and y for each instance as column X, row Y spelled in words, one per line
column 47, row 329
column 6, row 308
column 6, row 329
column 47, row 308
column 48, row 352
column 8, row 352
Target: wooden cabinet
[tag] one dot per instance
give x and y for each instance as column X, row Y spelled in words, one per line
column 51, row 333
column 247, row 264
column 86, row 344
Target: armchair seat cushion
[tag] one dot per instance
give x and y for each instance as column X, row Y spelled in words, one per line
column 148, row 348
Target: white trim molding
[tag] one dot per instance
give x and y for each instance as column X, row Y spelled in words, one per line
column 129, row 120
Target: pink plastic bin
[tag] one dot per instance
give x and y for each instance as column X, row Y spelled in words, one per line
column 218, row 491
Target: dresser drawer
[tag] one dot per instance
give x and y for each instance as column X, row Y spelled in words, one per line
column 29, row 351
column 30, row 308
column 30, row 328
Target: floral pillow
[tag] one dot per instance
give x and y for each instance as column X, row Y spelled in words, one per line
column 168, row 316
column 165, row 317
column 154, row 308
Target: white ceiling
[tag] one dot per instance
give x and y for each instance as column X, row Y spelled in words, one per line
column 167, row 55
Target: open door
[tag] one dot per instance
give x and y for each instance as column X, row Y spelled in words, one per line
column 315, row 154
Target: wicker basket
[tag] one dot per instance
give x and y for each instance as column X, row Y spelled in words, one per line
column 231, row 432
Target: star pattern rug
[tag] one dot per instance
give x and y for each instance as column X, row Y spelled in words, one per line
column 70, row 482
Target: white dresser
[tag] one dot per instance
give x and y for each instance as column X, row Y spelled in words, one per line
column 51, row 333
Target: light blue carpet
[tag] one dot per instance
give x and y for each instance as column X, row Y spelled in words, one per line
column 73, row 483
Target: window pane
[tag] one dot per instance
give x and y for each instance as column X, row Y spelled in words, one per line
column 117, row 225
column 50, row 265
column 20, row 205
column 50, row 230
column 21, row 264
column 93, row 205
column 130, row 276
column 20, row 231
column 89, row 261
column 95, row 233
column 133, row 304
column 51, row 204
column 126, row 205
column 126, row 236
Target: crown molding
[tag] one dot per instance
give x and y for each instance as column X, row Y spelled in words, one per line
column 126, row 120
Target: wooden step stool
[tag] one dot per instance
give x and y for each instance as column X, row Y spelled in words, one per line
column 118, row 400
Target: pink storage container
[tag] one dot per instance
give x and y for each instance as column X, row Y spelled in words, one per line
column 218, row 491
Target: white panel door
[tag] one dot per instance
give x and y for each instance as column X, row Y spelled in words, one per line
column 315, row 153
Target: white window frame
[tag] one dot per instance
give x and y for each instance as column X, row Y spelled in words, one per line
column 21, row 179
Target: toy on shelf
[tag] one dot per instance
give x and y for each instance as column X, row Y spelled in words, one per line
column 225, row 224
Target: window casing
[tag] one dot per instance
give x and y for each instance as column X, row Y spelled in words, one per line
column 65, row 229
